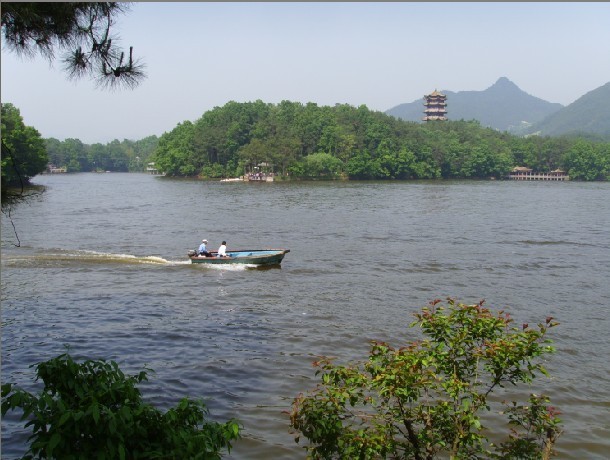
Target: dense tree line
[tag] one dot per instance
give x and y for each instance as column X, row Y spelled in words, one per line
column 311, row 141
column 306, row 141
column 114, row 156
column 23, row 149
column 25, row 153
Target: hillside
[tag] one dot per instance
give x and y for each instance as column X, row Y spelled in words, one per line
column 590, row 114
column 502, row 106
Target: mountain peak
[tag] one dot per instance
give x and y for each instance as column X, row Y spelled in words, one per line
column 502, row 106
column 503, row 83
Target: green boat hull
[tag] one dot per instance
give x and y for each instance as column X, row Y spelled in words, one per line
column 247, row 257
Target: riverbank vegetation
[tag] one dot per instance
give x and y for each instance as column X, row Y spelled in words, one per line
column 306, row 141
column 23, row 150
column 26, row 154
column 91, row 409
column 429, row 399
column 115, row 156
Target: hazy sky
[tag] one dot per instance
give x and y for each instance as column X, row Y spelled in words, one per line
column 202, row 55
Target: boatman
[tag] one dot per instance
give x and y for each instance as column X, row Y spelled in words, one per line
column 202, row 250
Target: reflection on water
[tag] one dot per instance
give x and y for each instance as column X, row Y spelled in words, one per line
column 103, row 268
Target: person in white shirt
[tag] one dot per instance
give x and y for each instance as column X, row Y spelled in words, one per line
column 222, row 250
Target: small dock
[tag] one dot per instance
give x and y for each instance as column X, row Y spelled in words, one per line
column 259, row 177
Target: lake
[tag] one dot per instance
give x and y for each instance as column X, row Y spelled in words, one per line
column 102, row 268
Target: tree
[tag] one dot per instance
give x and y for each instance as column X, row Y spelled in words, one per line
column 83, row 30
column 117, row 156
column 55, row 152
column 319, row 165
column 363, row 166
column 586, row 161
column 477, row 162
column 253, row 153
column 175, row 154
column 92, row 410
column 77, row 154
column 23, row 150
column 423, row 400
column 97, row 157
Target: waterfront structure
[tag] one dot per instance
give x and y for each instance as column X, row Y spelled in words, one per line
column 263, row 172
column 523, row 173
column 436, row 106
column 52, row 169
column 151, row 169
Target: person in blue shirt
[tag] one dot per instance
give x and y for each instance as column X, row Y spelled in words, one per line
column 202, row 249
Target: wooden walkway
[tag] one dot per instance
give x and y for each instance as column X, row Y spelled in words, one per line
column 538, row 176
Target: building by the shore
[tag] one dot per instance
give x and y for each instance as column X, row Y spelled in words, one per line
column 523, row 173
column 52, row 169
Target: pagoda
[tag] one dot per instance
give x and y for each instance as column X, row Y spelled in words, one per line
column 436, row 107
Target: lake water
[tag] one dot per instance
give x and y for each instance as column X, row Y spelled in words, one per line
column 102, row 268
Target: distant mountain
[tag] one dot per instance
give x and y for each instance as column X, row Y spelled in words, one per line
column 590, row 114
column 502, row 106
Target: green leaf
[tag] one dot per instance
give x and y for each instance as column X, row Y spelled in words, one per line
column 64, row 418
column 95, row 412
column 53, row 442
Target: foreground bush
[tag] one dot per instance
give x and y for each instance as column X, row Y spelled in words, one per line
column 91, row 410
column 424, row 400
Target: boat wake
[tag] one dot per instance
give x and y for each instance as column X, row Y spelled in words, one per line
column 66, row 258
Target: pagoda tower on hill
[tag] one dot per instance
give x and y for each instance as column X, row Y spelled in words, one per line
column 436, row 107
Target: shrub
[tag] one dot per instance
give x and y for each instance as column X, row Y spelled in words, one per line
column 92, row 410
column 424, row 400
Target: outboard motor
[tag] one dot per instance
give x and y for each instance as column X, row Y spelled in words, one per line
column 192, row 253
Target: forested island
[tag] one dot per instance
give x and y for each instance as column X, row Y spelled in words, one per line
column 307, row 141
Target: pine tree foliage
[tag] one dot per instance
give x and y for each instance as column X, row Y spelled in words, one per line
column 81, row 30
